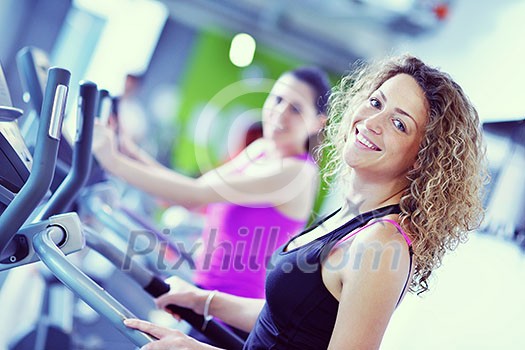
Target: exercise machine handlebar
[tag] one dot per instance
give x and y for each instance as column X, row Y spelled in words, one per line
column 44, row 159
column 66, row 193
column 156, row 287
column 45, row 246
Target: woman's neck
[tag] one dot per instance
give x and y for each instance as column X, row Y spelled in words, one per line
column 364, row 195
column 282, row 151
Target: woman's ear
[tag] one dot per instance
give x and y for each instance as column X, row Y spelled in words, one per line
column 322, row 119
column 319, row 124
column 316, row 134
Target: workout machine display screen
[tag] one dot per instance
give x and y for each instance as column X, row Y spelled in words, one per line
column 15, row 159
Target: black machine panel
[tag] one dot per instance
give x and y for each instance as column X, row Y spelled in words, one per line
column 15, row 159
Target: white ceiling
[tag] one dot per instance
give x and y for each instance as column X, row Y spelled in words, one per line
column 331, row 33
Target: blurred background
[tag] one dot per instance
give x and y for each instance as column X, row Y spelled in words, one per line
column 172, row 60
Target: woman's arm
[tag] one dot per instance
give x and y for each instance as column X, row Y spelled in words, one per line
column 275, row 184
column 372, row 279
column 130, row 149
column 239, row 312
column 168, row 339
column 236, row 311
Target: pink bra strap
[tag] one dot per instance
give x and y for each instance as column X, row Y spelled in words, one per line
column 399, row 229
column 409, row 242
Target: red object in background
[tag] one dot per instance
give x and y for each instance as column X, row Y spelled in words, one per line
column 441, row 11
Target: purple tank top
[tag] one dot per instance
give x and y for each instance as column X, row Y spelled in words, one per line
column 238, row 243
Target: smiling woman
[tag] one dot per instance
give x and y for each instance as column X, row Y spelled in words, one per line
column 419, row 121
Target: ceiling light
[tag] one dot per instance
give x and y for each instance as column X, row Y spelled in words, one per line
column 242, row 50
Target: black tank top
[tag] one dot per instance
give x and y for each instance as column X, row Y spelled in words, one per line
column 300, row 312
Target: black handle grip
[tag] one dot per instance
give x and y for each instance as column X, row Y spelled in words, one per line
column 214, row 330
column 68, row 190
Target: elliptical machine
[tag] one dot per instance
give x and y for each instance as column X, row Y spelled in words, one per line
column 50, row 239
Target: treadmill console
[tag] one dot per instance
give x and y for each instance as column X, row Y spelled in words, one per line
column 15, row 159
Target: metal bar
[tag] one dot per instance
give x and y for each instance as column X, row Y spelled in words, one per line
column 84, row 287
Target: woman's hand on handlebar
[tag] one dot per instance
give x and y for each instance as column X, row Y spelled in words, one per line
column 168, row 339
column 104, row 143
column 128, row 147
column 183, row 294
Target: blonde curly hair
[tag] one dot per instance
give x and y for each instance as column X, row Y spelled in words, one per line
column 444, row 199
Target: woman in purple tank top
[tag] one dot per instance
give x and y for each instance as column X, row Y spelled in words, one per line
column 407, row 145
column 256, row 201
